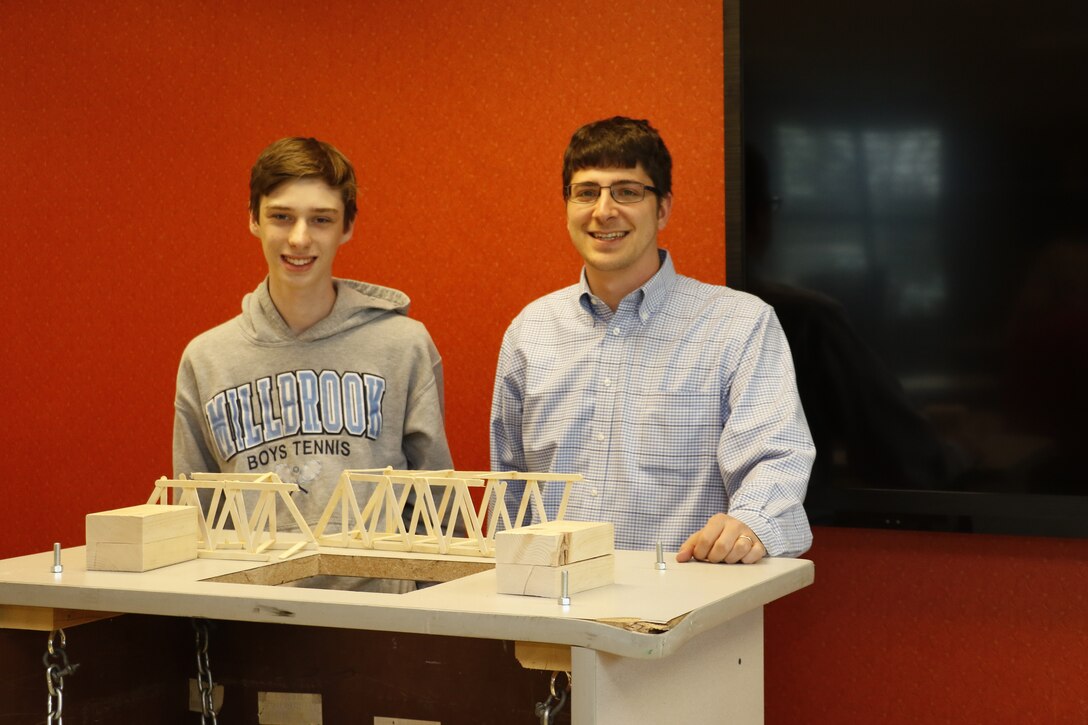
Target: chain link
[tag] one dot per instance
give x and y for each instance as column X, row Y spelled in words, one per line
column 556, row 701
column 57, row 668
column 205, row 684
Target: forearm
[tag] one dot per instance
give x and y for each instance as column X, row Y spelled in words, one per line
column 766, row 453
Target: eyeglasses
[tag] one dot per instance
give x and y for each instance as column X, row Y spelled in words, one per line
column 627, row 192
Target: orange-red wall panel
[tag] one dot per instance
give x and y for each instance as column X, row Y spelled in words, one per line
column 128, row 133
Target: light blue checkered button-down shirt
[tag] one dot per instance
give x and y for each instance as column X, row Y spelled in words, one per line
column 680, row 404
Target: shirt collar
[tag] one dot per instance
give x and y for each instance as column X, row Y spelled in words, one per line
column 648, row 297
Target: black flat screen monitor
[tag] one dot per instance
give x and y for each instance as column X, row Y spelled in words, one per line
column 908, row 187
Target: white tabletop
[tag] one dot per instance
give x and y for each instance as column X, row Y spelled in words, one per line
column 705, row 595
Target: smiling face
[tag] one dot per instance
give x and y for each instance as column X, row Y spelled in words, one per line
column 617, row 241
column 301, row 226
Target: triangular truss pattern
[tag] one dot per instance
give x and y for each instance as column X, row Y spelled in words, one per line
column 443, row 520
column 453, row 525
column 235, row 532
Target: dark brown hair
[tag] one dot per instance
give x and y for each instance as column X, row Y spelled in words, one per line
column 302, row 158
column 619, row 143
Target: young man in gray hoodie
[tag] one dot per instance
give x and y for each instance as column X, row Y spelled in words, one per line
column 317, row 374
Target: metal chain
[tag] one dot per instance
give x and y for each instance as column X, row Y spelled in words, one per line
column 204, row 673
column 57, row 668
column 548, row 709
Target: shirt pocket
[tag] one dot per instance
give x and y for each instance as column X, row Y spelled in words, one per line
column 677, row 436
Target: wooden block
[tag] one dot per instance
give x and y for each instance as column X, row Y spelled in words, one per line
column 288, row 708
column 547, row 581
column 543, row 656
column 139, row 538
column 555, row 543
column 47, row 619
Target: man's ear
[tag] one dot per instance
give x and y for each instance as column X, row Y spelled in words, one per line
column 348, row 232
column 664, row 208
column 254, row 226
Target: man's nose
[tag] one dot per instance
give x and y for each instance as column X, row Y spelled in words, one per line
column 300, row 234
column 605, row 206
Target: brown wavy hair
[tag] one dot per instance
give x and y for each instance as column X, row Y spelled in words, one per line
column 619, row 143
column 302, row 158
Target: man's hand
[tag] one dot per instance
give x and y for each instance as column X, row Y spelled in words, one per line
column 724, row 538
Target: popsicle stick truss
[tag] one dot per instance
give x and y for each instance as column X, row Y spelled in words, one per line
column 444, row 510
column 443, row 519
column 235, row 532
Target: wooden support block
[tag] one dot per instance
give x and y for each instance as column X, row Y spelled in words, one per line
column 139, row 538
column 46, row 619
column 288, row 708
column 555, row 543
column 543, row 656
column 547, row 581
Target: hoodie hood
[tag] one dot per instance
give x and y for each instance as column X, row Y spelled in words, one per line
column 357, row 303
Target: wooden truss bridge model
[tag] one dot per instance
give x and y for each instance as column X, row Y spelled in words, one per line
column 249, row 534
column 451, row 523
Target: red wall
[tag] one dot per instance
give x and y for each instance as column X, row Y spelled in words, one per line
column 128, row 136
column 909, row 627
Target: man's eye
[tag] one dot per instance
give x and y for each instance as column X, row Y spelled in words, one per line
column 627, row 192
column 279, row 217
column 587, row 193
column 323, row 220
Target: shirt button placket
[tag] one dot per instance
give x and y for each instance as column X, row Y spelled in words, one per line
column 606, row 425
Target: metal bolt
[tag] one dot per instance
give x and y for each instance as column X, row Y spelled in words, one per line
column 57, row 567
column 564, row 597
column 660, row 558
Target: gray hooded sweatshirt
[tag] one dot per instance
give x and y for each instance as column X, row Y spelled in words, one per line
column 362, row 388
